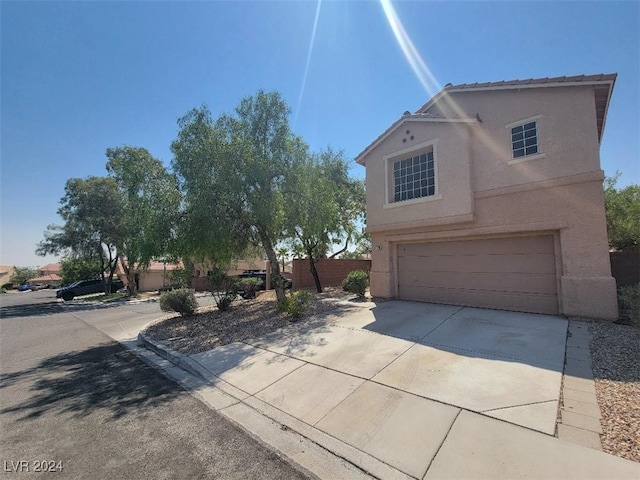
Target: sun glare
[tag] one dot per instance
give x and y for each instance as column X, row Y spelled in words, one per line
column 411, row 53
column 426, row 77
column 306, row 67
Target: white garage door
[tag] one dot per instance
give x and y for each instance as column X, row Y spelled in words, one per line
column 503, row 273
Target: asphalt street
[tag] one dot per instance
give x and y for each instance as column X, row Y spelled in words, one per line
column 78, row 404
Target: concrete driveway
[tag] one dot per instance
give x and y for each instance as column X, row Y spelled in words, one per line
column 403, row 390
column 390, row 379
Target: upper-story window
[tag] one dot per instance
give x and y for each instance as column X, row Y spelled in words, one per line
column 524, row 140
column 414, row 177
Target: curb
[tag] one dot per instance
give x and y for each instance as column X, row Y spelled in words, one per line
column 174, row 357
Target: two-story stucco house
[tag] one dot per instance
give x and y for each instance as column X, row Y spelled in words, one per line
column 490, row 195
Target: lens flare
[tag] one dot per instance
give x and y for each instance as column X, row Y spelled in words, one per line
column 422, row 71
column 418, row 65
column 306, row 67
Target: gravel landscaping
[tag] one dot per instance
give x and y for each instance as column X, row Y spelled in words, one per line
column 615, row 352
column 615, row 356
column 246, row 319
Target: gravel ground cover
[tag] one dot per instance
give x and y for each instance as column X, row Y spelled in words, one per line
column 246, row 319
column 615, row 356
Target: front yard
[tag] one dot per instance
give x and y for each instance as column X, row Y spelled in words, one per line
column 615, row 353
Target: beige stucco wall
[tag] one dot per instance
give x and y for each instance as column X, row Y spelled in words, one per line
column 453, row 197
column 486, row 194
column 153, row 280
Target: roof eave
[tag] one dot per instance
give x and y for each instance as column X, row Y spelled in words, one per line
column 606, row 108
column 360, row 159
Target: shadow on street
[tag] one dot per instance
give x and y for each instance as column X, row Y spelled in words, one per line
column 104, row 377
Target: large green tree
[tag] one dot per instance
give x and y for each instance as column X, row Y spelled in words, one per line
column 239, row 163
column 73, row 269
column 324, row 206
column 150, row 202
column 623, row 214
column 22, row 274
column 211, row 226
column 91, row 209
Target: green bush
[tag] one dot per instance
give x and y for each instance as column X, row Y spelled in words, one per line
column 181, row 300
column 223, row 288
column 3, row 290
column 249, row 286
column 630, row 297
column 295, row 304
column 356, row 282
column 7, row 286
column 181, row 277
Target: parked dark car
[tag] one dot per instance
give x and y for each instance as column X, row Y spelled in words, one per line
column 86, row 287
column 262, row 275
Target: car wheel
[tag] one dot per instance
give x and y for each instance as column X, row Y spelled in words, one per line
column 67, row 296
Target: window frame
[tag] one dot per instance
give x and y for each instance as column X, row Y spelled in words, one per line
column 521, row 123
column 406, row 154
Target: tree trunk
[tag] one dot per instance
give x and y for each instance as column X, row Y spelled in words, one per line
column 275, row 265
column 131, row 277
column 314, row 271
column 113, row 264
column 342, row 250
column 105, row 285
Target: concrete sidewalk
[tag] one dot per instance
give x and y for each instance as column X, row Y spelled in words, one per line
column 445, row 392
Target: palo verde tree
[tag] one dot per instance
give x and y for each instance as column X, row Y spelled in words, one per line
column 91, row 209
column 324, row 206
column 242, row 166
column 623, row 214
column 150, row 201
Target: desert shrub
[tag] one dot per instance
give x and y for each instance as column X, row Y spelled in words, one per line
column 295, row 303
column 356, row 282
column 181, row 300
column 7, row 286
column 181, row 277
column 630, row 297
column 3, row 290
column 223, row 288
column 249, row 286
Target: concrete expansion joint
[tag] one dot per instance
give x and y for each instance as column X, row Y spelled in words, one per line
column 444, row 439
column 579, row 413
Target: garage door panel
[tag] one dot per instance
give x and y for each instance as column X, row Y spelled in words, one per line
column 505, row 273
column 544, row 284
column 536, row 303
column 522, row 263
column 499, row 246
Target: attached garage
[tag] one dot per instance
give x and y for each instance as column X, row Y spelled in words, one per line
column 516, row 273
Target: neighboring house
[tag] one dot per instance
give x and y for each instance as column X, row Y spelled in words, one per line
column 6, row 272
column 200, row 282
column 490, row 195
column 158, row 274
column 48, row 275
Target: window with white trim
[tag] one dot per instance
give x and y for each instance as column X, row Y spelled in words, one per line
column 524, row 140
column 414, row 177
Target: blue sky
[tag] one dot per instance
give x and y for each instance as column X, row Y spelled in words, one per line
column 79, row 77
